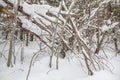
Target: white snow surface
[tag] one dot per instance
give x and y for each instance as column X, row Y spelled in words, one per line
column 106, row 28
column 69, row 68
column 2, row 3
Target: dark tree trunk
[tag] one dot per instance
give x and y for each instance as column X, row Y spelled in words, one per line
column 27, row 38
column 31, row 37
column 21, row 34
column 115, row 43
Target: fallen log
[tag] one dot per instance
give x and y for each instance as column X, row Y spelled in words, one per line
column 8, row 13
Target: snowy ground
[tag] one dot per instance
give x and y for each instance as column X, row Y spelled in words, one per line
column 69, row 69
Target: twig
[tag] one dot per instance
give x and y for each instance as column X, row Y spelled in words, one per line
column 31, row 64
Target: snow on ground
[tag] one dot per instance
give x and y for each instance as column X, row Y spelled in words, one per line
column 69, row 69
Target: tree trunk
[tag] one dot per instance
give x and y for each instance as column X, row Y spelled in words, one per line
column 31, row 37
column 21, row 34
column 11, row 48
column 27, row 38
